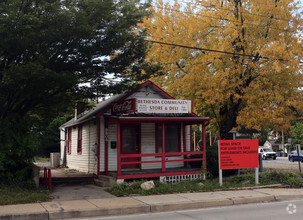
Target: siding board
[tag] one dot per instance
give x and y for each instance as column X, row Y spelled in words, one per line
column 87, row 161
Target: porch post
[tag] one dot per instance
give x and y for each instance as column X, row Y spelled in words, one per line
column 106, row 145
column 98, row 144
column 118, row 150
column 163, row 148
column 184, row 144
column 184, row 138
column 204, row 145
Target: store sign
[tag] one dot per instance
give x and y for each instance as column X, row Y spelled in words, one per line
column 163, row 106
column 236, row 154
column 124, row 107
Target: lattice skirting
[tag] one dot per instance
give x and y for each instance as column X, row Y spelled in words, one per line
column 175, row 179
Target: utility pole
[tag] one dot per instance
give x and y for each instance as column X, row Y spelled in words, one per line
column 283, row 148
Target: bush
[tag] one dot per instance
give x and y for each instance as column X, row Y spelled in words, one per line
column 212, row 162
column 283, row 177
column 213, row 165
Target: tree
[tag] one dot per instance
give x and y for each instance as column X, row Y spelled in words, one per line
column 48, row 48
column 238, row 60
column 297, row 132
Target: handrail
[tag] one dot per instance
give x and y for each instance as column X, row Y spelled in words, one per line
column 159, row 161
column 160, row 154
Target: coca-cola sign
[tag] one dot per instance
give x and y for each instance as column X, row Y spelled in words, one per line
column 124, row 107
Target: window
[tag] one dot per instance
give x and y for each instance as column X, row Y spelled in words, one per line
column 69, row 140
column 79, row 144
column 172, row 138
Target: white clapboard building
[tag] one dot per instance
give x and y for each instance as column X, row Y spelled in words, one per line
column 141, row 134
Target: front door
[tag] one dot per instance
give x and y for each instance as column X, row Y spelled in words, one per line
column 130, row 144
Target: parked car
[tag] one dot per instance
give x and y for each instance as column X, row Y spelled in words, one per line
column 267, row 153
column 293, row 156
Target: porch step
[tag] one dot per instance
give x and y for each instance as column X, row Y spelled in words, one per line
column 105, row 181
column 70, row 180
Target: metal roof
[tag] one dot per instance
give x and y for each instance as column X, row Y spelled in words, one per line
column 90, row 114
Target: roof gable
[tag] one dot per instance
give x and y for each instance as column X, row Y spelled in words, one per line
column 147, row 89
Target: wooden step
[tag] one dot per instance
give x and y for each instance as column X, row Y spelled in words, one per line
column 105, row 181
column 70, row 180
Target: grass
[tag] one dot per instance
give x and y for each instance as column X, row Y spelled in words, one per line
column 19, row 194
column 245, row 180
column 42, row 159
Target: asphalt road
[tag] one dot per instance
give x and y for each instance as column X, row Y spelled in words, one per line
column 281, row 163
column 277, row 211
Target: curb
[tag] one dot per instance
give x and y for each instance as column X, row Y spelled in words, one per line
column 133, row 208
column 139, row 209
column 288, row 197
column 34, row 216
column 100, row 212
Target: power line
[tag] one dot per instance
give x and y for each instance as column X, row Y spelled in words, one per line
column 215, row 51
column 204, row 49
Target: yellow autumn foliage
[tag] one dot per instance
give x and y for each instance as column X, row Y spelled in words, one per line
column 247, row 70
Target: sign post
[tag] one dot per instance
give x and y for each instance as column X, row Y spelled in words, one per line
column 299, row 154
column 236, row 154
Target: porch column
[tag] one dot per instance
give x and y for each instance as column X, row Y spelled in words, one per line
column 163, row 148
column 204, row 145
column 118, row 150
column 106, row 145
column 184, row 143
column 99, row 143
column 184, row 138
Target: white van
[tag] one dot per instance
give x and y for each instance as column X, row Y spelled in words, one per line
column 267, row 153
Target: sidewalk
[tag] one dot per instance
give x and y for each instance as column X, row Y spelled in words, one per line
column 145, row 204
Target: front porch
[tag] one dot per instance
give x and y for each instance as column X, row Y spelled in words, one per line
column 150, row 147
column 191, row 165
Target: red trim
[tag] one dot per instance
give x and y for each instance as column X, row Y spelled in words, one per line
column 164, row 155
column 179, row 136
column 98, row 156
column 139, row 144
column 156, row 135
column 49, row 179
column 134, row 91
column 158, row 89
column 79, row 142
column 184, row 142
column 160, row 154
column 106, row 138
column 163, row 147
column 113, row 120
column 186, row 120
column 119, row 150
column 153, row 161
column 184, row 138
column 204, row 146
column 191, row 138
column 138, row 136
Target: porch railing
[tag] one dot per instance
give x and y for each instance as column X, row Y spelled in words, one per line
column 163, row 162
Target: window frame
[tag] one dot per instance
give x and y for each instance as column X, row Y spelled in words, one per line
column 79, row 141
column 69, row 141
column 157, row 137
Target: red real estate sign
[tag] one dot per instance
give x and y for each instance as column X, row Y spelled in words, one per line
column 236, row 154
